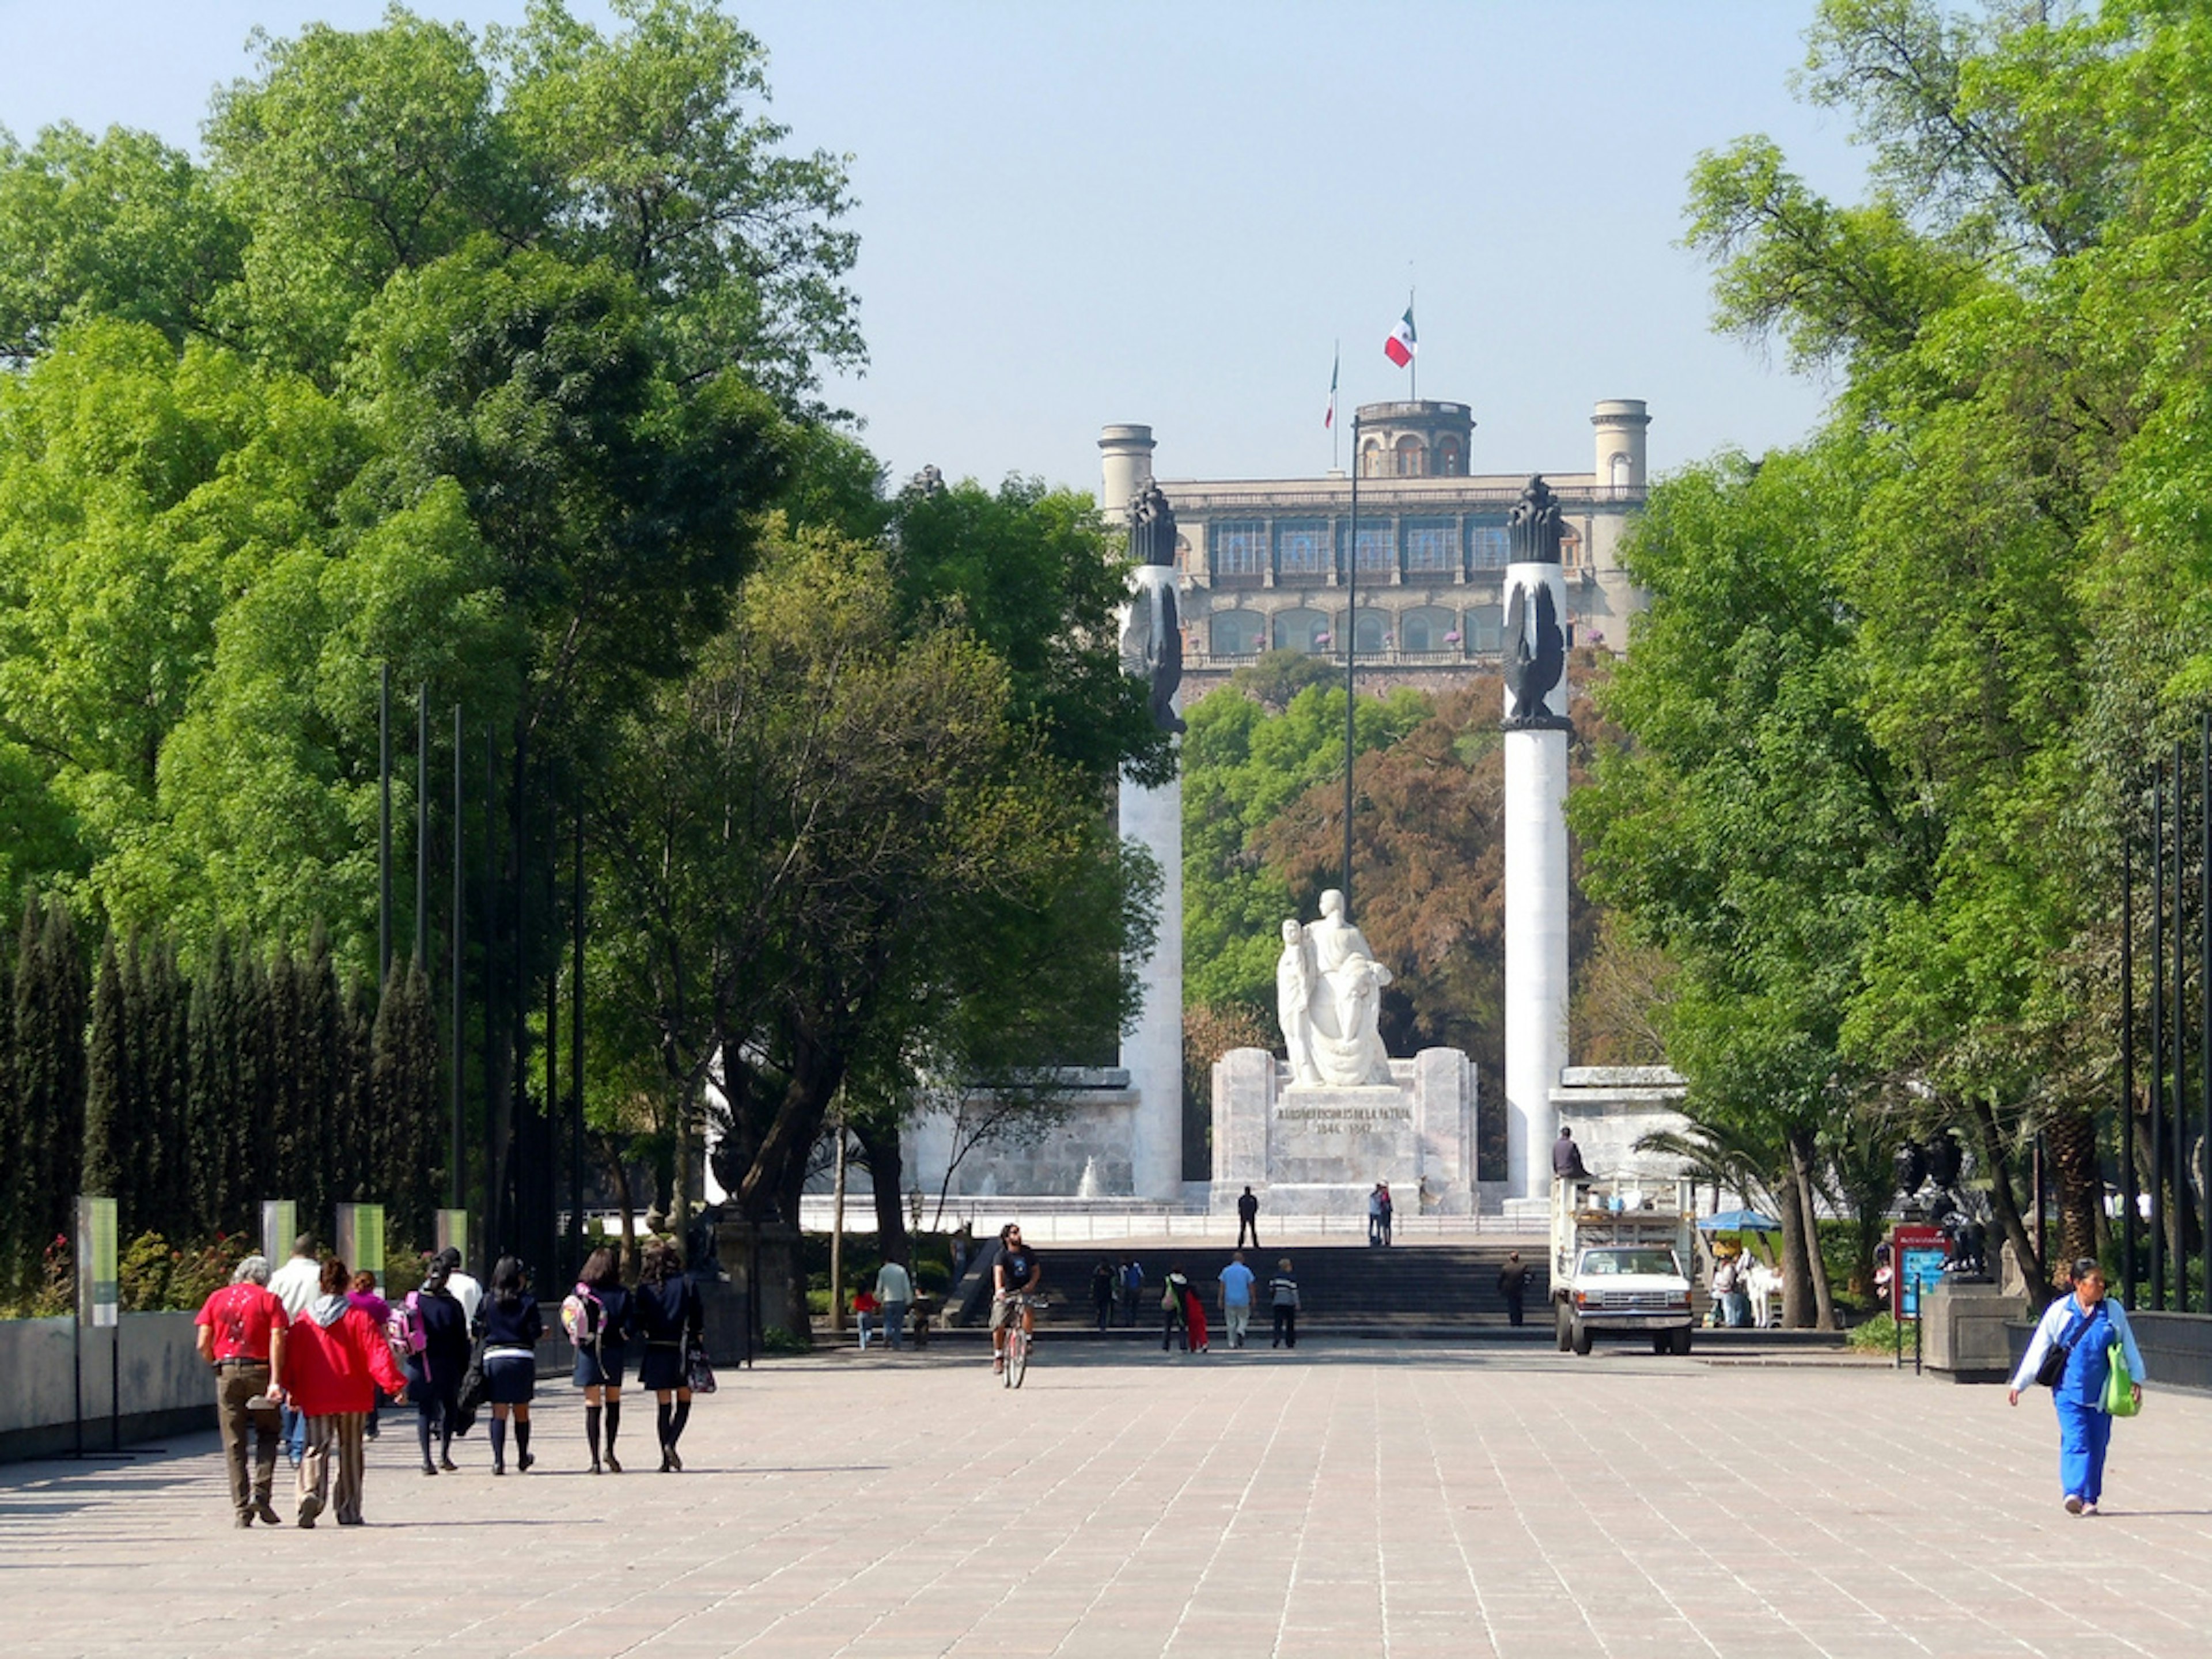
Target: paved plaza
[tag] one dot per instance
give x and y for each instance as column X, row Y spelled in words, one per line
column 1352, row 1498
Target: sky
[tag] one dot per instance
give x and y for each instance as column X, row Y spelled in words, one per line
column 1077, row 215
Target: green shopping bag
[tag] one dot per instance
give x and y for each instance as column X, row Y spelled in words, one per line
column 2119, row 1387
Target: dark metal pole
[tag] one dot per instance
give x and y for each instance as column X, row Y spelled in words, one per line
column 422, row 825
column 384, row 830
column 494, row 1162
column 1351, row 653
column 2204, row 991
column 2154, row 1093
column 2127, row 1060
column 2178, row 1203
column 454, row 1192
column 576, row 1041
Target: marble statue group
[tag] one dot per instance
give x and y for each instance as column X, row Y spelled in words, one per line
column 1328, row 998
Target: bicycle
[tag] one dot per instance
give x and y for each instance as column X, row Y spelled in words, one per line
column 1019, row 1338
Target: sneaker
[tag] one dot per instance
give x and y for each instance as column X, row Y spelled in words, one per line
column 2089, row 1509
column 2073, row 1504
column 267, row 1511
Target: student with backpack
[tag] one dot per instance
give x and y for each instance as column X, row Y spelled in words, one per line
column 671, row 1320
column 597, row 1318
column 435, row 1332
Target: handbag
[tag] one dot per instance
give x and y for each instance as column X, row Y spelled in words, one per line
column 2052, row 1371
column 699, row 1373
column 2119, row 1386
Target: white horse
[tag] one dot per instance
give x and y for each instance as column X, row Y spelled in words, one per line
column 1764, row 1284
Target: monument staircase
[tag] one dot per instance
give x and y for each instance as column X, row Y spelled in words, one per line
column 1358, row 1289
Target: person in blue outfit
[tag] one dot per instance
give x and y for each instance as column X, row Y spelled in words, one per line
column 433, row 1374
column 602, row 1352
column 669, row 1320
column 2085, row 1324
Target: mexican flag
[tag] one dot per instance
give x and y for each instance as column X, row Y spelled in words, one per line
column 1329, row 415
column 1401, row 346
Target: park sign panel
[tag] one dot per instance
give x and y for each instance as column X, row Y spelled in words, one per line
column 280, row 1226
column 360, row 1239
column 98, row 1300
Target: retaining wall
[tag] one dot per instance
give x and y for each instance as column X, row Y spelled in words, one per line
column 164, row 1387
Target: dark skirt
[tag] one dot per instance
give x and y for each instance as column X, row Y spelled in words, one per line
column 510, row 1376
column 663, row 1367
column 601, row 1367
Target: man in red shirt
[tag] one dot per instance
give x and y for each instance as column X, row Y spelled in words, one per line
column 241, row 1335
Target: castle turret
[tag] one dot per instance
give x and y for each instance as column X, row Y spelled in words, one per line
column 1125, row 467
column 1621, row 423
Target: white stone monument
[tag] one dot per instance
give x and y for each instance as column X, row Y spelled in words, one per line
column 1536, row 732
column 1314, row 1133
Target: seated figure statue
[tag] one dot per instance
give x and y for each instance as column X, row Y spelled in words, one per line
column 1327, row 973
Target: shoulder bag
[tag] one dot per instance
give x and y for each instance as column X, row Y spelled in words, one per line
column 2052, row 1371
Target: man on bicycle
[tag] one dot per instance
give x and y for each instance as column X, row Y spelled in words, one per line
column 1015, row 1275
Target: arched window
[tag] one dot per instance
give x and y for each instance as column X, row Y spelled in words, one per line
column 1371, row 628
column 1619, row 470
column 1571, row 548
column 1370, row 459
column 1428, row 629
column 1485, row 630
column 1412, row 458
column 1451, row 459
column 1301, row 630
column 1237, row 633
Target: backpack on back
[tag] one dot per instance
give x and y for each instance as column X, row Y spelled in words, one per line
column 583, row 1317
column 403, row 1329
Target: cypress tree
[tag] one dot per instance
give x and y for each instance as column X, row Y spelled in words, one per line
column 315, row 1059
column 50, row 1036
column 168, row 1011
column 404, row 1073
column 254, row 1170
column 361, row 1136
column 288, row 1140
column 211, row 1091
column 107, row 1092
column 14, row 1134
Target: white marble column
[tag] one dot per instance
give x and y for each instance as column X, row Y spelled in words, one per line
column 1153, row 1051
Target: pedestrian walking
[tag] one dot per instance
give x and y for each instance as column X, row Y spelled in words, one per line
column 1248, row 1218
column 336, row 1359
column 598, row 1315
column 669, row 1321
column 1194, row 1316
column 240, row 1333
column 433, row 1373
column 364, row 1295
column 1513, row 1285
column 1283, row 1291
column 1236, row 1299
column 1133, row 1289
column 463, row 1287
column 894, row 1288
column 1175, row 1311
column 296, row 1284
column 511, row 1327
column 2085, row 1325
column 1104, row 1280
column 866, row 1309
column 1374, row 1214
column 1385, row 1209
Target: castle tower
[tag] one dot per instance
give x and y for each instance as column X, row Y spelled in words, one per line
column 1619, row 424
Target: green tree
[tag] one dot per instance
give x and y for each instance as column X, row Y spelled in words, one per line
column 111, row 1119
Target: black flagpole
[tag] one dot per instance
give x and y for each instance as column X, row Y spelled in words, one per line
column 1351, row 652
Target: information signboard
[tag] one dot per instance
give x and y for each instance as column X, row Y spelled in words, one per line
column 453, row 1231
column 97, row 1297
column 280, row 1226
column 1917, row 1258
column 360, row 1239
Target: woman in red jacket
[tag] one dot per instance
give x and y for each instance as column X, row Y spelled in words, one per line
column 333, row 1365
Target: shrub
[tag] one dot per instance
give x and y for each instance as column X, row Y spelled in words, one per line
column 143, row 1276
column 1876, row 1335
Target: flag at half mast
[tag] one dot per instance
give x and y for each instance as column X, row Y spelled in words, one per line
column 1402, row 345
column 1328, row 414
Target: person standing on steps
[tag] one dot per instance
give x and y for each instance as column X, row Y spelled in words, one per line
column 1283, row 1291
column 602, row 1352
column 671, row 1319
column 240, row 1335
column 1104, row 1280
column 1133, row 1289
column 1175, row 1310
column 1513, row 1285
column 1236, row 1299
column 512, row 1327
column 335, row 1358
column 894, row 1290
column 1384, row 1208
column 1248, row 1218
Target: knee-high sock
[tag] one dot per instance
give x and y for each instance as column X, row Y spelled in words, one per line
column 522, row 1436
column 661, row 1419
column 423, row 1432
column 498, row 1442
column 445, row 1413
column 592, row 1430
column 676, row 1424
column 614, row 1422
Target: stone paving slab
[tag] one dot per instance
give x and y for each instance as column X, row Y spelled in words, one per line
column 1351, row 1498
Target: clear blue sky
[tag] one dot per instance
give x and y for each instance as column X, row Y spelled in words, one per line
column 1073, row 215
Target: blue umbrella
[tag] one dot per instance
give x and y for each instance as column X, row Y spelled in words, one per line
column 1738, row 1221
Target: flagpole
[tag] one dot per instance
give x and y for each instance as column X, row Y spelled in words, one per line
column 1414, row 362
column 1336, row 437
column 1351, row 652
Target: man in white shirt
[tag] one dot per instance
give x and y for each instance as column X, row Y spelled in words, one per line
column 1237, row 1298
column 894, row 1290
column 466, row 1290
column 296, row 1284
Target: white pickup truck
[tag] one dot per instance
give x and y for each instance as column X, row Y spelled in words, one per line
column 1618, row 1250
